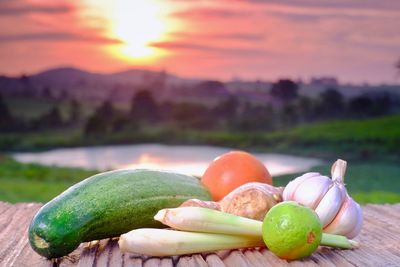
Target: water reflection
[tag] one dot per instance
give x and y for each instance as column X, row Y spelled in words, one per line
column 184, row 159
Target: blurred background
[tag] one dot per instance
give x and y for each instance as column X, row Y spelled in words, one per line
column 94, row 85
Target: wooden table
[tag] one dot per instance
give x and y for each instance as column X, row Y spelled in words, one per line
column 380, row 246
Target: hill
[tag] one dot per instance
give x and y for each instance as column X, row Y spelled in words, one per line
column 69, row 82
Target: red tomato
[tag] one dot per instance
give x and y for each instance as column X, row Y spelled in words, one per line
column 232, row 170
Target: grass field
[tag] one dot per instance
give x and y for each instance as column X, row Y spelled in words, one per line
column 31, row 182
column 377, row 138
column 367, row 182
column 371, row 138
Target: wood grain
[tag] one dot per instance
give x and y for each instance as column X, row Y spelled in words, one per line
column 379, row 238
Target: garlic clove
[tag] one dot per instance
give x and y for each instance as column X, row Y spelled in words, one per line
column 330, row 204
column 357, row 229
column 291, row 187
column 310, row 192
column 347, row 221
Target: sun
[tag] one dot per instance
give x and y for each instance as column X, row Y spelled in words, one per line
column 138, row 23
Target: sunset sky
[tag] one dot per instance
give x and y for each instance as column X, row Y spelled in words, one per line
column 355, row 40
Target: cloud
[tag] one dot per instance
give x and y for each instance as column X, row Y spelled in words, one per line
column 295, row 10
column 238, row 36
column 209, row 12
column 231, row 51
column 302, row 11
column 338, row 4
column 7, row 9
column 56, row 37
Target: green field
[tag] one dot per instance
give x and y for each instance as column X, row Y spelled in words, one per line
column 377, row 138
column 367, row 182
column 31, row 182
column 371, row 138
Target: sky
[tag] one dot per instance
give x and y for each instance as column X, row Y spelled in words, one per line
column 356, row 41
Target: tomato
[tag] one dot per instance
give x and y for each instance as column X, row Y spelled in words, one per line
column 231, row 170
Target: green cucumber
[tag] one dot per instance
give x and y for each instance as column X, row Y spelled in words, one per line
column 108, row 205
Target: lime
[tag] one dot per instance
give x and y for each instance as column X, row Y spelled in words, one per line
column 291, row 231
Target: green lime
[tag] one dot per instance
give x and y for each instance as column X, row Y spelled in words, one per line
column 291, row 231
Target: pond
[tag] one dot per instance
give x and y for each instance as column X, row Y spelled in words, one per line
column 186, row 159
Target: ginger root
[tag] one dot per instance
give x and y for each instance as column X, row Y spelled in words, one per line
column 201, row 203
column 251, row 200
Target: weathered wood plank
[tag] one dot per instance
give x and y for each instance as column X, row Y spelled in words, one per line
column 158, row 262
column 87, row 257
column 199, row 261
column 256, row 258
column 152, row 262
column 7, row 216
column 236, row 259
column 167, row 262
column 371, row 252
column 14, row 249
column 223, row 253
column 380, row 217
column 380, row 246
column 321, row 261
column 195, row 260
column 386, row 209
column 72, row 260
column 271, row 259
column 214, row 261
column 3, row 207
column 332, row 257
column 108, row 254
column 131, row 261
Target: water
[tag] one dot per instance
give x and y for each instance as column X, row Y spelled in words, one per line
column 191, row 160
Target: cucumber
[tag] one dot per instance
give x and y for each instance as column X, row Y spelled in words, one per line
column 108, row 205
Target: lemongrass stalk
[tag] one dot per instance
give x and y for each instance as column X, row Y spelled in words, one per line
column 162, row 242
column 197, row 219
column 338, row 241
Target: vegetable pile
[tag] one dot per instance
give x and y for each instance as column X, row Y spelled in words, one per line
column 289, row 230
column 234, row 205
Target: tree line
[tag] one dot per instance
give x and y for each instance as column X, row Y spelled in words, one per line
column 233, row 114
column 286, row 110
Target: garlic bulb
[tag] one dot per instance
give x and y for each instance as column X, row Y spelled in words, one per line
column 338, row 212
